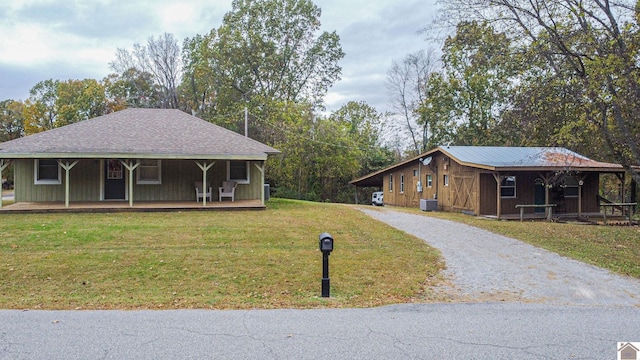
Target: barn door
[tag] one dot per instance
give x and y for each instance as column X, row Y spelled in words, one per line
column 462, row 191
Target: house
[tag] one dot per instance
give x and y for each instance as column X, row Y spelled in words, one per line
column 134, row 155
column 491, row 181
column 628, row 352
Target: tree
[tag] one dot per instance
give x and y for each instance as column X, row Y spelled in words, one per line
column 407, row 84
column 591, row 45
column 199, row 83
column 132, row 88
column 437, row 111
column 320, row 155
column 161, row 59
column 78, row 100
column 265, row 50
column 479, row 72
column 54, row 103
column 11, row 120
column 365, row 130
column 40, row 111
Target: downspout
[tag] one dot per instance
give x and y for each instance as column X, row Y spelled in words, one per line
column 437, row 193
column 498, row 179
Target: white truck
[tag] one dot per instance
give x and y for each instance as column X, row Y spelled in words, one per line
column 377, row 198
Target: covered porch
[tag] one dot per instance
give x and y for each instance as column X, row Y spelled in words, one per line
column 136, row 158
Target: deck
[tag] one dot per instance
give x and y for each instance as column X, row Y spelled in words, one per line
column 584, row 218
column 123, row 206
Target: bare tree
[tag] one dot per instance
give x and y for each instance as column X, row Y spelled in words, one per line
column 160, row 58
column 407, row 85
column 591, row 45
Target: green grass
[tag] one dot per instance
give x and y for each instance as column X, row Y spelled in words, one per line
column 616, row 248
column 254, row 259
column 224, row 260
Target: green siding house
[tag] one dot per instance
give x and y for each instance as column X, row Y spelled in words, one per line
column 134, row 155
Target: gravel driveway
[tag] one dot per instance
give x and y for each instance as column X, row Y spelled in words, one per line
column 483, row 266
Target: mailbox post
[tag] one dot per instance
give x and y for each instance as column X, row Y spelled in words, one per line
column 326, row 246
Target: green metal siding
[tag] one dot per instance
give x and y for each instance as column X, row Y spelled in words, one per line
column 84, row 183
column 178, row 177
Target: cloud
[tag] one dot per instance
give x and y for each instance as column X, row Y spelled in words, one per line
column 62, row 39
column 383, row 33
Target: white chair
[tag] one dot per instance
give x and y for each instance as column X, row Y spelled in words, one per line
column 228, row 189
column 199, row 191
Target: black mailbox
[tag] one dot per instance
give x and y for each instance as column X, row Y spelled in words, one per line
column 326, row 243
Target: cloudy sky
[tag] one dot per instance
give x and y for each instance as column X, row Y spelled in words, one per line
column 76, row 39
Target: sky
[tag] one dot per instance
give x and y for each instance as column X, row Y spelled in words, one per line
column 76, row 39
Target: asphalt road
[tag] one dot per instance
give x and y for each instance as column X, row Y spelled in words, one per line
column 426, row 331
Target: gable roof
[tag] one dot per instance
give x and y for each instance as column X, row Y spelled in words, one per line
column 503, row 158
column 138, row 133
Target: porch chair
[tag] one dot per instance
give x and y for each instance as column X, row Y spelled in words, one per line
column 227, row 189
column 199, row 192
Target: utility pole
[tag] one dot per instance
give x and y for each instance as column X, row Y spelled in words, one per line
column 246, row 122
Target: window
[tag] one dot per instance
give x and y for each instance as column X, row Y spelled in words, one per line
column 47, row 172
column 415, row 172
column 445, row 180
column 238, row 171
column 570, row 185
column 429, row 181
column 149, row 172
column 508, row 187
column 390, row 182
column 401, row 183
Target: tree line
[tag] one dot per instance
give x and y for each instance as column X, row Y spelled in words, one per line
column 528, row 73
column 551, row 73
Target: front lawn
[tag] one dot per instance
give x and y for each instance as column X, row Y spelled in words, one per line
column 222, row 260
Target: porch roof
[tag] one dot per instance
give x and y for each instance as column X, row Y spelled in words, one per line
column 138, row 134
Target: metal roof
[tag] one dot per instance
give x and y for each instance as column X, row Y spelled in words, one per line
column 497, row 157
column 138, row 133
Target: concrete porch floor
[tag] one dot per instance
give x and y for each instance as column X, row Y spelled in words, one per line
column 123, row 206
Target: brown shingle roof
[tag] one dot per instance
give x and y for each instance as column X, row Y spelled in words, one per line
column 138, row 133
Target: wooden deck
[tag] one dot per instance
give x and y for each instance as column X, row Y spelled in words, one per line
column 592, row 218
column 123, row 206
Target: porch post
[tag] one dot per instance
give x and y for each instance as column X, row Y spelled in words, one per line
column 3, row 165
column 621, row 178
column 261, row 168
column 204, row 167
column 547, row 180
column 131, row 166
column 580, row 183
column 498, row 197
column 67, row 168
